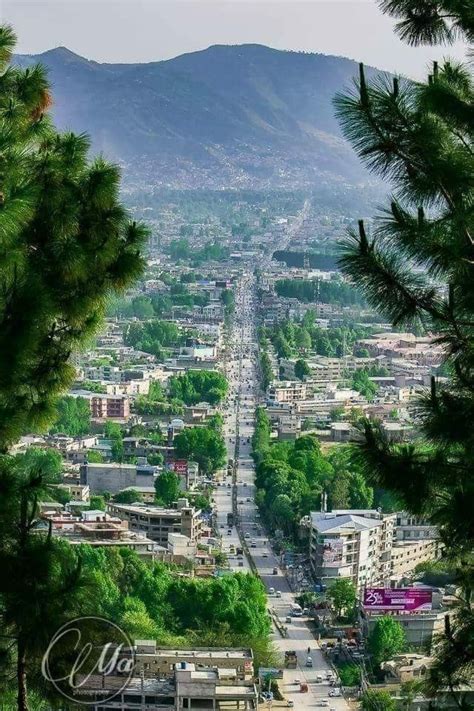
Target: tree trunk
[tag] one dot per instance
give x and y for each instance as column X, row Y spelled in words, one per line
column 22, row 698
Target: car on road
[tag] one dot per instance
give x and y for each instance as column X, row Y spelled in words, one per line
column 275, row 571
column 309, row 661
column 271, row 591
column 278, row 593
column 288, row 619
column 290, row 703
column 264, row 555
column 335, row 692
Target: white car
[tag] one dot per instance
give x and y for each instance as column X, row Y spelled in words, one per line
column 335, row 692
column 271, row 591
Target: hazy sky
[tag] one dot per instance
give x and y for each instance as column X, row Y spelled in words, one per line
column 148, row 30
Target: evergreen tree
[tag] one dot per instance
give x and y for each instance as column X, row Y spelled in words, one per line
column 66, row 245
column 417, row 267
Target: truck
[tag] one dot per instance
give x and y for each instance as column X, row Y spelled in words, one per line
column 291, row 660
column 230, row 519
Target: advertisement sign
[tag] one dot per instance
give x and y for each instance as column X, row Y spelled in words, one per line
column 181, row 466
column 398, row 599
column 332, row 551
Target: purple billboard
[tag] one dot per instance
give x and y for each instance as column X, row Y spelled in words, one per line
column 397, row 599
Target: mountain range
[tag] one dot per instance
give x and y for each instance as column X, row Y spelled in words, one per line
column 228, row 116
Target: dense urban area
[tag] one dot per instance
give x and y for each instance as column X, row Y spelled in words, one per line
column 236, row 445
column 206, row 444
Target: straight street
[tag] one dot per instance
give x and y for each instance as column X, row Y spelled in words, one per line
column 239, row 412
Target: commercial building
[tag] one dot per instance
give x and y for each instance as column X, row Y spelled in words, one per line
column 351, row 544
column 157, row 522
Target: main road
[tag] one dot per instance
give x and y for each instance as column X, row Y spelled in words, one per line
column 239, row 412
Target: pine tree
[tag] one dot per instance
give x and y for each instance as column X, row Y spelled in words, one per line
column 417, row 267
column 66, row 245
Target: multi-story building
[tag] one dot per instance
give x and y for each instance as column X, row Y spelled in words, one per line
column 189, row 687
column 151, row 660
column 114, row 477
column 157, row 522
column 416, row 541
column 351, row 544
column 110, row 407
column 287, row 391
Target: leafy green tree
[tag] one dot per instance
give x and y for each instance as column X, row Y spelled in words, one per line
column 342, row 594
column 302, row 339
column 349, row 674
column 386, row 639
column 60, row 222
column 73, row 416
column 202, row 445
column 97, row 502
column 302, row 369
column 113, row 431
column 282, row 513
column 94, row 457
column 128, row 496
column 375, row 700
column 142, row 307
column 167, row 488
column 198, row 386
column 362, row 383
column 417, row 269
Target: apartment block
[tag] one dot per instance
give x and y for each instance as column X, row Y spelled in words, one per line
column 287, row 391
column 110, row 407
column 352, row 544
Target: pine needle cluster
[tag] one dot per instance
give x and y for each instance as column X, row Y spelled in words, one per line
column 66, row 245
column 417, row 267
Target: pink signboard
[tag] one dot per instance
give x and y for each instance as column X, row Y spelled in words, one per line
column 181, row 466
column 397, row 599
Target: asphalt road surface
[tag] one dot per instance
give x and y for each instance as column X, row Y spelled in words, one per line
column 239, row 414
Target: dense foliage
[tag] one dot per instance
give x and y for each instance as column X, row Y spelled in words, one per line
column 73, row 416
column 335, row 291
column 417, row 267
column 203, row 445
column 386, row 639
column 198, row 386
column 167, row 488
column 291, row 477
column 153, row 336
column 290, row 339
